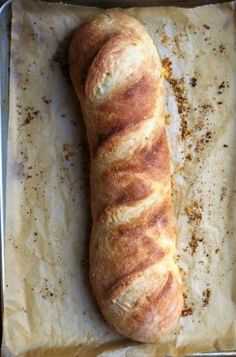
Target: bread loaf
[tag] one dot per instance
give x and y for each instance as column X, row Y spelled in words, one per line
column 117, row 75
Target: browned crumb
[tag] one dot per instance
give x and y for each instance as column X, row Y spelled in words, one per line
column 194, row 243
column 206, row 297
column 45, row 100
column 193, row 81
column 178, row 88
column 167, row 67
column 221, row 48
column 65, row 147
column 223, row 193
column 167, row 119
column 193, row 212
column 187, row 311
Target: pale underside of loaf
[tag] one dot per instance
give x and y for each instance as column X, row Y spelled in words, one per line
column 117, row 75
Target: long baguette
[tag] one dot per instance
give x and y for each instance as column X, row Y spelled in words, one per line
column 117, row 75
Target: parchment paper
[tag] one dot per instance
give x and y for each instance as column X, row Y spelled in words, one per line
column 49, row 309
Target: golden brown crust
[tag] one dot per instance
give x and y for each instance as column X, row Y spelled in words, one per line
column 116, row 73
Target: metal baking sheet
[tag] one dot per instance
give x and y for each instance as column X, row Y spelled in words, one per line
column 5, row 20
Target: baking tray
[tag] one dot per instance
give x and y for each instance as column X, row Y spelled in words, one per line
column 5, row 21
column 5, row 24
